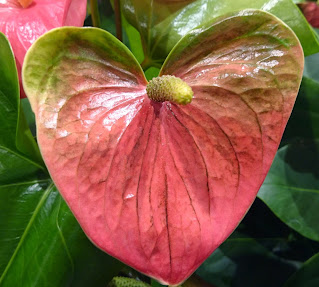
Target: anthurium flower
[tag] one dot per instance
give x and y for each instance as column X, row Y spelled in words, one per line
column 160, row 183
column 24, row 21
column 311, row 12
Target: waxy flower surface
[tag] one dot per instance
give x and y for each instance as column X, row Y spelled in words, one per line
column 23, row 26
column 157, row 184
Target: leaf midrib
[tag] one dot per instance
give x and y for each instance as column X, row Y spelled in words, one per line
column 25, row 233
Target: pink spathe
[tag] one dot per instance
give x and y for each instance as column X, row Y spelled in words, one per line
column 23, row 26
column 160, row 185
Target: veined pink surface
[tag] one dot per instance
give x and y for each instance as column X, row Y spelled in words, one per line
column 158, row 185
column 23, row 26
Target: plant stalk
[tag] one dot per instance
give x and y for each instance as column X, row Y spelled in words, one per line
column 95, row 13
column 118, row 20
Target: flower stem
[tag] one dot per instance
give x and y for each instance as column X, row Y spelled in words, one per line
column 95, row 13
column 118, row 20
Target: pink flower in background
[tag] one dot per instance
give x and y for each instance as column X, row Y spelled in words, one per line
column 311, row 12
column 23, row 26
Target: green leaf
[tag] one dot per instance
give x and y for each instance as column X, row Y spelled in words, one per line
column 307, row 276
column 29, row 115
column 244, row 262
column 151, row 73
column 291, row 187
column 304, row 120
column 154, row 283
column 312, row 63
column 163, row 23
column 17, row 146
column 311, row 67
column 41, row 243
column 134, row 40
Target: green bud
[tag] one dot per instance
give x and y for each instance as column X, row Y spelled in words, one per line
column 169, row 88
column 126, row 282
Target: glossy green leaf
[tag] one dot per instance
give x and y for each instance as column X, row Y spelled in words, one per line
column 29, row 115
column 162, row 23
column 17, row 147
column 134, row 40
column 291, row 187
column 245, row 262
column 154, row 283
column 307, row 276
column 275, row 235
column 41, row 243
column 151, row 73
column 9, row 88
column 311, row 67
column 304, row 120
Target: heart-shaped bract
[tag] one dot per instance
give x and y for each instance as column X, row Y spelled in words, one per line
column 158, row 185
column 23, row 26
